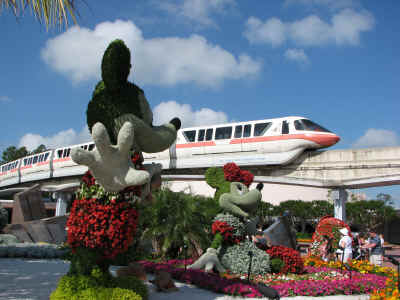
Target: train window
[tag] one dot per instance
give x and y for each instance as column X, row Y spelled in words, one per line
column 25, row 161
column 46, row 156
column 41, row 157
column 209, row 134
column 59, row 153
column 200, row 136
column 35, row 159
column 66, row 152
column 298, row 125
column 223, row 133
column 238, row 132
column 190, row 135
column 247, row 130
column 309, row 125
column 91, row 147
column 261, row 128
column 30, row 161
column 285, row 127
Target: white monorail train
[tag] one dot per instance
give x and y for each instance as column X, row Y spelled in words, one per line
column 263, row 142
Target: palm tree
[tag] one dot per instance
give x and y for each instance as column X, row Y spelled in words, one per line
column 51, row 12
column 176, row 221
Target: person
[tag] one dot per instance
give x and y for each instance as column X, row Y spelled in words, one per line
column 374, row 244
column 345, row 246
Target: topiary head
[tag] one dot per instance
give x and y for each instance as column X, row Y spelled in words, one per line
column 116, row 65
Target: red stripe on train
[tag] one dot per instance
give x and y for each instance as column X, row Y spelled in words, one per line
column 198, row 144
column 321, row 139
column 62, row 159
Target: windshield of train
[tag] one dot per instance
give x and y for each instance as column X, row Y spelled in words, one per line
column 308, row 125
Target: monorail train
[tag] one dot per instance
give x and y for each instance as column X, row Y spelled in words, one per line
column 263, row 142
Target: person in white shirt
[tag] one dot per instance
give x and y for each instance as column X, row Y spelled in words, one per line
column 345, row 244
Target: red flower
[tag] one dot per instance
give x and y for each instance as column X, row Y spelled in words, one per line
column 226, row 231
column 88, row 179
column 291, row 258
column 101, row 227
column 233, row 173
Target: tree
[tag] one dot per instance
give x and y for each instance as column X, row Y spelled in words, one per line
column 51, row 12
column 300, row 210
column 39, row 149
column 369, row 214
column 13, row 153
column 385, row 198
column 174, row 221
column 321, row 208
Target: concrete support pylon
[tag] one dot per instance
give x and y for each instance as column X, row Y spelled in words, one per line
column 339, row 197
column 62, row 202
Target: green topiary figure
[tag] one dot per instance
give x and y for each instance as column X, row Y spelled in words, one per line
column 103, row 217
column 120, row 119
column 216, row 179
column 230, row 248
column 116, row 100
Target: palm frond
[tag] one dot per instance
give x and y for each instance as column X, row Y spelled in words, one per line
column 51, row 12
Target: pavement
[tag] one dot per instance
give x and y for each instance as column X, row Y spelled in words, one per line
column 35, row 279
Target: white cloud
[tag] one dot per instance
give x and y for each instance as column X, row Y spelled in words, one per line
column 5, row 99
column 345, row 28
column 165, row 111
column 63, row 138
column 273, row 31
column 377, row 138
column 77, row 53
column 331, row 4
column 199, row 11
column 297, row 55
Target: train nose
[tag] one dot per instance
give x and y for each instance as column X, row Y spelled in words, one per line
column 328, row 140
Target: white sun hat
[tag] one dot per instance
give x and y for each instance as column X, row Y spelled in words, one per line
column 344, row 231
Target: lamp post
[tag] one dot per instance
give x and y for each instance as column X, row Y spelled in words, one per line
column 249, row 271
column 184, row 254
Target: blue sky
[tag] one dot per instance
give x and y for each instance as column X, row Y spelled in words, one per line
column 336, row 62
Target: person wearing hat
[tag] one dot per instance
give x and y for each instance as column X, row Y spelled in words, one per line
column 345, row 246
column 374, row 244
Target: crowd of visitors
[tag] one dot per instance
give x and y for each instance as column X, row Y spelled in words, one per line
column 361, row 246
column 367, row 246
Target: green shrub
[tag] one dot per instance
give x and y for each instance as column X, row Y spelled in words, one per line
column 100, row 293
column 81, row 287
column 131, row 283
column 277, row 265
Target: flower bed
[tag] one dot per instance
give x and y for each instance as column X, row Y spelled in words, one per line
column 388, row 292
column 316, row 281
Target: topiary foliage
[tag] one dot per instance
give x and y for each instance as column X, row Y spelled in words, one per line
column 236, row 258
column 215, row 178
column 114, row 95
